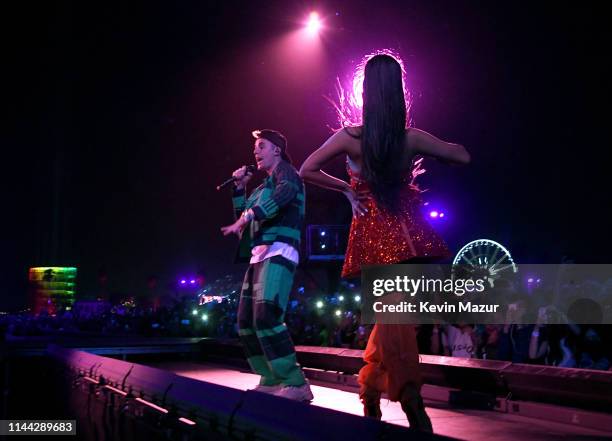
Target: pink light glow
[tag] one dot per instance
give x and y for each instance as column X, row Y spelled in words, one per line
column 187, row 421
column 433, row 214
column 114, row 389
column 153, row 406
column 313, row 26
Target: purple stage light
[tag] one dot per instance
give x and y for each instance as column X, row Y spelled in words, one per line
column 530, row 280
column 313, row 26
column 192, row 281
column 183, row 281
column 441, row 214
column 433, row 214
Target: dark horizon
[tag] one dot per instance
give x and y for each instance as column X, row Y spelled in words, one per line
column 124, row 118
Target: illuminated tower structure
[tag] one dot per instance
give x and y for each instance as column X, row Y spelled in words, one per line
column 51, row 288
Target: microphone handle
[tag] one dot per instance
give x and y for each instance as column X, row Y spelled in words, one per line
column 225, row 183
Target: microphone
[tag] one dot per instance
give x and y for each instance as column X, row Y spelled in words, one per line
column 249, row 169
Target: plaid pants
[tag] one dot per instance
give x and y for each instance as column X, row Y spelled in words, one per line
column 261, row 313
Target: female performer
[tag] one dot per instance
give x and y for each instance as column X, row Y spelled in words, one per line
column 388, row 226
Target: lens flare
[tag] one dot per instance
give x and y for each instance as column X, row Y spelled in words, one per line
column 313, row 26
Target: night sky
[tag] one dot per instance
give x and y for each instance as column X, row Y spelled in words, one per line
column 122, row 118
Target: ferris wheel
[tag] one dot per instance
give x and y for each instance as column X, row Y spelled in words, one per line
column 484, row 259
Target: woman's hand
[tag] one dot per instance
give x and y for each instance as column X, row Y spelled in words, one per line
column 356, row 200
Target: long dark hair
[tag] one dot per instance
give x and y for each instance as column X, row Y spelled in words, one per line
column 384, row 119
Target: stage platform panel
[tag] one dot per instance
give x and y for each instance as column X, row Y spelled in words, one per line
column 465, row 424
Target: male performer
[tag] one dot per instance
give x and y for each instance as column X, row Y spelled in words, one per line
column 269, row 224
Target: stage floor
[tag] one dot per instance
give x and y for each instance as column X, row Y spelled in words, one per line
column 457, row 423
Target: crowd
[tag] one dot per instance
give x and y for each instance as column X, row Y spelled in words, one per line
column 325, row 320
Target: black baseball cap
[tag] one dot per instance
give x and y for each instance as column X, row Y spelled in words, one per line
column 276, row 138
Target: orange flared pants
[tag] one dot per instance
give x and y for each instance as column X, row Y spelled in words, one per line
column 392, row 360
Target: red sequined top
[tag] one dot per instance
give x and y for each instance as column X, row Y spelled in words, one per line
column 380, row 237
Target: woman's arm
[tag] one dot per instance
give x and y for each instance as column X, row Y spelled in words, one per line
column 435, row 340
column 311, row 168
column 537, row 350
column 423, row 143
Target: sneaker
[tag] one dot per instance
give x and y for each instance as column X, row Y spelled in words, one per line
column 296, row 393
column 273, row 390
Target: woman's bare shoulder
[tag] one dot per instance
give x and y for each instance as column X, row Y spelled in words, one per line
column 353, row 131
column 353, row 142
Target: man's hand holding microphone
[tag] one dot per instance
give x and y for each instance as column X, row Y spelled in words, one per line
column 241, row 177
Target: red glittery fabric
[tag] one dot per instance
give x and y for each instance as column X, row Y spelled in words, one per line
column 380, row 237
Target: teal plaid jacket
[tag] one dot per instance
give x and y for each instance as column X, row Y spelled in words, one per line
column 279, row 207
